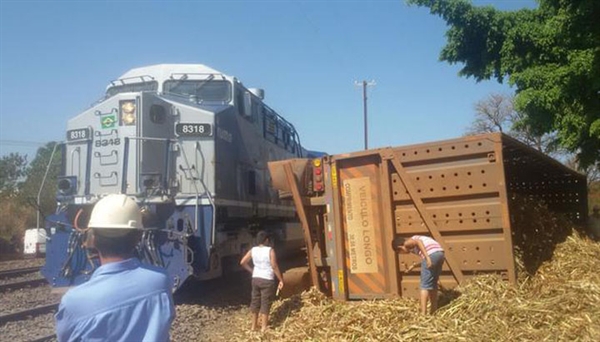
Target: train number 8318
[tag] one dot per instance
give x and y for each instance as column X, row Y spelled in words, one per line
column 193, row 129
column 79, row 134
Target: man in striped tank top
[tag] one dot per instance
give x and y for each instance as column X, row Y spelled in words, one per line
column 432, row 259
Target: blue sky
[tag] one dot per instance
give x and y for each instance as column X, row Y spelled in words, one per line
column 56, row 58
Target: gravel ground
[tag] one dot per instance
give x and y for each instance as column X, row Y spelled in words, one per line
column 21, row 263
column 212, row 311
column 215, row 310
column 21, row 299
column 28, row 330
column 206, row 311
column 24, row 277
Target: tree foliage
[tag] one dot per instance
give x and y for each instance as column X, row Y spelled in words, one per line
column 13, row 168
column 497, row 113
column 20, row 185
column 12, row 171
column 550, row 54
column 41, row 180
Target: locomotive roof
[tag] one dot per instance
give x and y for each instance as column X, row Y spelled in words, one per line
column 161, row 72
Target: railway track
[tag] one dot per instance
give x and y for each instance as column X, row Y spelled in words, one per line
column 45, row 338
column 18, row 271
column 219, row 297
column 22, row 284
column 25, row 273
column 27, row 313
column 14, row 321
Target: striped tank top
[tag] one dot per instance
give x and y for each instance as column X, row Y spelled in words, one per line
column 431, row 246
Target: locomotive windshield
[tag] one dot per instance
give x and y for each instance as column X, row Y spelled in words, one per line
column 203, row 90
column 133, row 87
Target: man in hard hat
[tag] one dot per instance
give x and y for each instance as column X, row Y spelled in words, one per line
column 594, row 223
column 123, row 300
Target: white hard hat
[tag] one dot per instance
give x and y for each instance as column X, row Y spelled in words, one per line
column 117, row 212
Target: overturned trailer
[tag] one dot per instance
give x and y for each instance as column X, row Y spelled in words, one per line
column 463, row 192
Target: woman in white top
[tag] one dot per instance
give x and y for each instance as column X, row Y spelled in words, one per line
column 263, row 278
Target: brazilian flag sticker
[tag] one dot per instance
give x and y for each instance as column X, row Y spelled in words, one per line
column 108, row 121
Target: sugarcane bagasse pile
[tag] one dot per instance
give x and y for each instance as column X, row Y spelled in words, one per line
column 557, row 299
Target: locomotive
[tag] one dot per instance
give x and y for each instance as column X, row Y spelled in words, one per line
column 190, row 145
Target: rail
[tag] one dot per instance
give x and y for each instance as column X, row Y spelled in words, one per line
column 22, row 284
column 23, row 314
column 18, row 271
column 45, row 338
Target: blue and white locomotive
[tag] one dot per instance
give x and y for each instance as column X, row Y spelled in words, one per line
column 191, row 145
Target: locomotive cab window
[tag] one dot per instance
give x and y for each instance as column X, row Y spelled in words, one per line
column 157, row 114
column 201, row 90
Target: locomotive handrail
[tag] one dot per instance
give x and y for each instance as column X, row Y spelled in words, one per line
column 185, row 74
column 210, row 200
column 125, row 164
column 150, row 138
column 208, row 195
column 122, row 80
column 78, row 150
column 166, row 172
column 43, row 182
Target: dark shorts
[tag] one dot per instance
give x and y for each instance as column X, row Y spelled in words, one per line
column 263, row 293
column 430, row 276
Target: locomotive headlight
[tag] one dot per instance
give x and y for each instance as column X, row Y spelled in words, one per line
column 67, row 185
column 128, row 111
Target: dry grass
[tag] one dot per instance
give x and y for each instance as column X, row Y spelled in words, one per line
column 557, row 299
column 560, row 302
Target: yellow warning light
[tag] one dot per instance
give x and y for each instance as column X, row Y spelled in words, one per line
column 317, row 162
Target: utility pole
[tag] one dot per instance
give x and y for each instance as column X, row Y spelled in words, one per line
column 365, row 84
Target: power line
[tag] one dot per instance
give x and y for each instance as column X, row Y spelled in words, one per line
column 21, row 143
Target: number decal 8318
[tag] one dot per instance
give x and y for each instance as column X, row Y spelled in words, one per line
column 79, row 134
column 193, row 130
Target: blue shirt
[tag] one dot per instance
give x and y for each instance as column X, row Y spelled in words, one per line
column 123, row 301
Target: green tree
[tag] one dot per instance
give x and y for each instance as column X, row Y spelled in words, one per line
column 42, row 166
column 12, row 170
column 13, row 214
column 20, row 185
column 551, row 55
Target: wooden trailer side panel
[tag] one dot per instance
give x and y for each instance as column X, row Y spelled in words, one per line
column 457, row 191
column 368, row 258
column 455, row 194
